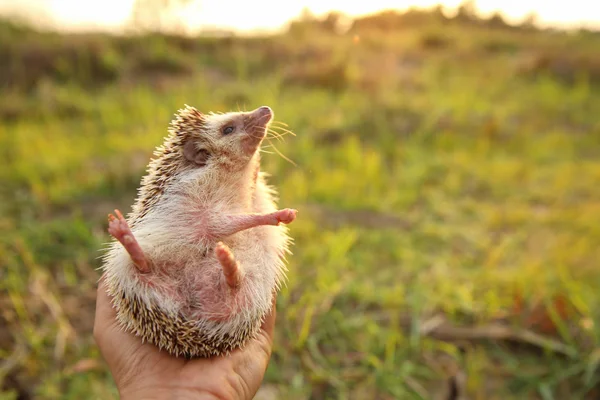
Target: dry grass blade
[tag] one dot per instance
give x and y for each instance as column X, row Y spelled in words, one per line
column 13, row 360
column 84, row 365
column 41, row 287
column 498, row 332
column 415, row 386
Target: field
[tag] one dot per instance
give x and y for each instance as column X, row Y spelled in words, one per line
column 446, row 174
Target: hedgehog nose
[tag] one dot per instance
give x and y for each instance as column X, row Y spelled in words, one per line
column 263, row 114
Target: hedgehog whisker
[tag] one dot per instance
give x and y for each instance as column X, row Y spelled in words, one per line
column 278, row 135
column 274, row 135
column 276, row 132
column 281, row 154
column 279, row 129
column 283, row 130
column 262, row 118
column 279, row 122
column 270, row 145
column 250, row 129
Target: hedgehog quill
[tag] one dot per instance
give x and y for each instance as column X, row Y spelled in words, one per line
column 196, row 264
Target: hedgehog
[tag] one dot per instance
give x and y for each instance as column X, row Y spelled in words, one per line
column 196, row 264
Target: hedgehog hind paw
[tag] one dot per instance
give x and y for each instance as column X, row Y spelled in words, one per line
column 119, row 229
column 231, row 267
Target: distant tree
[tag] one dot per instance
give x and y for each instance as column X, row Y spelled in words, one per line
column 394, row 20
column 416, row 16
column 496, row 20
column 438, row 13
column 467, row 12
column 156, row 15
column 304, row 23
column 530, row 21
column 334, row 22
column 306, row 15
column 385, row 20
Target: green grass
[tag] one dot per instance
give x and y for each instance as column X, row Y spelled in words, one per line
column 443, row 184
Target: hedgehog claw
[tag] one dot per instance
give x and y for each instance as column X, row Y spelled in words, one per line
column 119, row 229
column 231, row 268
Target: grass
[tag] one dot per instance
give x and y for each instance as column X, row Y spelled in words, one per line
column 447, row 188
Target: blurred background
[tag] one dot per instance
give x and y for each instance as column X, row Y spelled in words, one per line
column 446, row 166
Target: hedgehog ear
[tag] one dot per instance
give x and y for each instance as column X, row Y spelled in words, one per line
column 192, row 153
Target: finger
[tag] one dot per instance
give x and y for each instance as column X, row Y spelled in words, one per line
column 114, row 343
column 125, row 354
column 104, row 312
column 106, row 316
column 251, row 362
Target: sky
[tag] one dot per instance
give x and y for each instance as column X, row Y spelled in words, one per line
column 243, row 15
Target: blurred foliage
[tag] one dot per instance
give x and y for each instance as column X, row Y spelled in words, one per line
column 447, row 176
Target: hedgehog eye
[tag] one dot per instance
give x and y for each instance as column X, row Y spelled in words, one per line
column 228, row 130
column 198, row 156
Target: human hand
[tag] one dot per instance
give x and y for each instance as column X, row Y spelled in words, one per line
column 141, row 371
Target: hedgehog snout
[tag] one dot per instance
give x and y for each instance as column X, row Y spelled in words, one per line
column 264, row 111
column 257, row 120
column 255, row 126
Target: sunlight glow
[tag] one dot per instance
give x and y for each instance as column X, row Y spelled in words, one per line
column 107, row 13
column 272, row 14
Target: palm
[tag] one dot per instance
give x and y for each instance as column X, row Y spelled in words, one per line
column 140, row 369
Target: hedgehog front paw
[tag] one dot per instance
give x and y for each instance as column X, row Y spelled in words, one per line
column 286, row 216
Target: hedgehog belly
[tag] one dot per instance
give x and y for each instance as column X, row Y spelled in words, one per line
column 178, row 335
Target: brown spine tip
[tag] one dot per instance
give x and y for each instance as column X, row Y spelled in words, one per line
column 231, row 268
